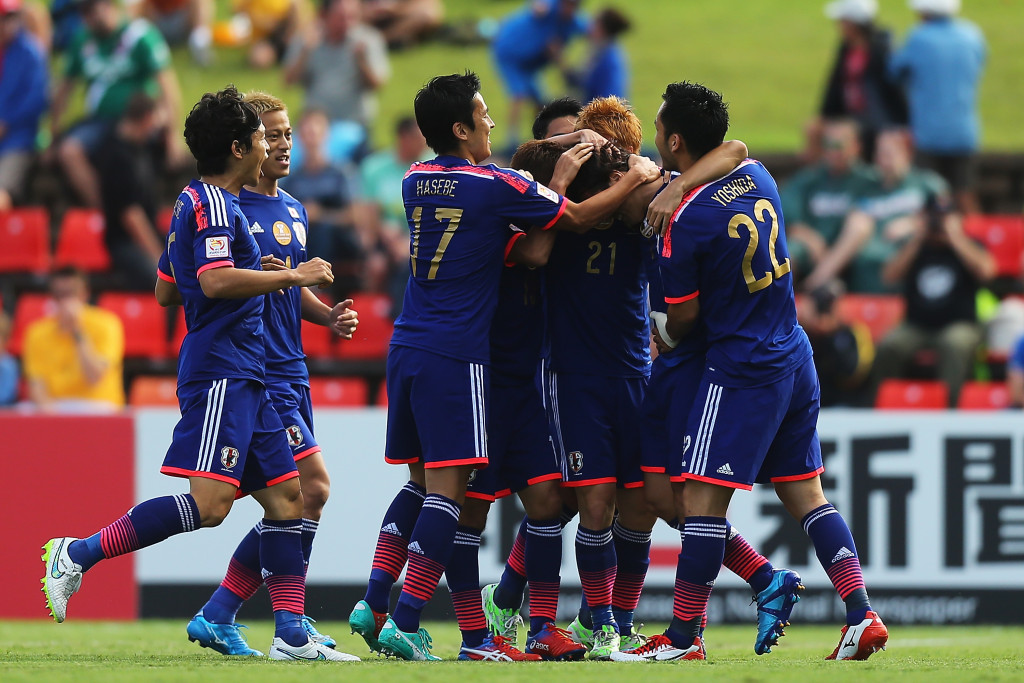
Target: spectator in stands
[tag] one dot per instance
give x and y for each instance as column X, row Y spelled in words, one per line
column 325, row 191
column 557, row 117
column 940, row 269
column 181, row 22
column 941, row 63
column 860, row 86
column 817, row 200
column 341, row 62
column 114, row 59
column 271, row 25
column 24, row 90
column 607, row 70
column 526, row 42
column 66, row 22
column 72, row 359
column 384, row 214
column 1015, row 375
column 129, row 169
column 404, row 22
column 843, row 354
column 8, row 365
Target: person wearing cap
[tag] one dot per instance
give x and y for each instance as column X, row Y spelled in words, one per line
column 941, row 63
column 24, row 84
column 859, row 86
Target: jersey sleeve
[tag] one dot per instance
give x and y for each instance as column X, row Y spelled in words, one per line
column 163, row 267
column 214, row 231
column 526, row 202
column 678, row 266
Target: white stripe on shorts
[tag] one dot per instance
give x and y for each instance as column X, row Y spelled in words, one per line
column 704, row 433
column 211, row 424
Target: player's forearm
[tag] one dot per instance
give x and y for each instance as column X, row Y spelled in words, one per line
column 313, row 310
column 713, row 165
column 585, row 215
column 534, row 249
column 242, row 283
column 682, row 318
column 166, row 293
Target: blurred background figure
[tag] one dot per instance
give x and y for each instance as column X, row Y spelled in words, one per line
column 382, row 208
column 269, row 26
column 941, row 63
column 404, row 22
column 1015, row 375
column 940, row 270
column 341, row 63
column 73, row 357
column 817, row 200
column 24, row 92
column 8, row 365
column 607, row 69
column 181, row 22
column 843, row 354
column 526, row 42
column 859, row 86
column 114, row 59
column 130, row 169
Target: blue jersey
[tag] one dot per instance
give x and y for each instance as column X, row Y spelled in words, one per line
column 225, row 336
column 459, row 229
column 597, row 302
column 279, row 226
column 727, row 244
column 517, row 333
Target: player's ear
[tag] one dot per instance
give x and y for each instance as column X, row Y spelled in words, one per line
column 676, row 144
column 460, row 130
column 615, row 177
column 236, row 149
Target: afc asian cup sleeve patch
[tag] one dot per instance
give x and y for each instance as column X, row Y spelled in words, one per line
column 217, row 247
column 549, row 194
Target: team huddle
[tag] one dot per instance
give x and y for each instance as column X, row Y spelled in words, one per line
column 521, row 363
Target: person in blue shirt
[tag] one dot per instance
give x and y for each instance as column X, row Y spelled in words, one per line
column 1015, row 374
column 24, row 90
column 459, row 215
column 607, row 70
column 941, row 64
column 9, row 374
column 526, row 42
column 229, row 440
column 724, row 261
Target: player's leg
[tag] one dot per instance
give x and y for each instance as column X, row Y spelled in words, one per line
column 597, row 563
column 631, row 533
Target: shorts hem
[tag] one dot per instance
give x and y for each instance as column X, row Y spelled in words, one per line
column 589, row 482
column 479, row 463
column 180, row 472
column 718, row 482
column 633, row 485
column 481, row 496
column 653, row 470
column 799, row 477
column 284, row 477
column 403, row 461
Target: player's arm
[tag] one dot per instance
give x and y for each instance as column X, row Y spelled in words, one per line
column 166, row 289
column 715, row 164
column 341, row 318
column 680, row 319
column 228, row 282
column 578, row 136
column 585, row 215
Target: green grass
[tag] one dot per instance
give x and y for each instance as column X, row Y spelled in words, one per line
column 159, row 651
column 768, row 57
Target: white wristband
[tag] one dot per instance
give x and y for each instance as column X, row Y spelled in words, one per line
column 660, row 321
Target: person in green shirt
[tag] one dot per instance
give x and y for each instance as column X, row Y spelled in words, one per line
column 114, row 59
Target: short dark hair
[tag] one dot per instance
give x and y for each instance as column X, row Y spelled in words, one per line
column 556, row 109
column 443, row 102
column 139, row 106
column 215, row 122
column 612, row 21
column 697, row 114
column 539, row 157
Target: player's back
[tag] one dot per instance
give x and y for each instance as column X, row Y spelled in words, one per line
column 460, row 218
column 729, row 245
column 225, row 336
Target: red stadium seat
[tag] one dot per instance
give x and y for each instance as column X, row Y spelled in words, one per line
column 338, row 391
column 984, row 396
column 316, row 340
column 880, row 312
column 163, row 219
column 898, row 394
column 80, row 242
column 29, row 307
column 25, row 236
column 1003, row 235
column 373, row 335
column 145, row 323
column 154, row 391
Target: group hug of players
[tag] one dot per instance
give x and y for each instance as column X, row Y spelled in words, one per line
column 521, row 363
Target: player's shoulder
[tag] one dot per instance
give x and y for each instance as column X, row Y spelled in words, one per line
column 293, row 204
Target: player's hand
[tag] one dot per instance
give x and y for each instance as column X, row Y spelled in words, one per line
column 569, row 165
column 594, row 138
column 343, row 320
column 661, row 210
column 647, row 169
column 659, row 342
column 271, row 262
column 315, row 271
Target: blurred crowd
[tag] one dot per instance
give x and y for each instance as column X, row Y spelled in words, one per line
column 881, row 211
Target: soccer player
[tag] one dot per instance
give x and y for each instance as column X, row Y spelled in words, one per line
column 724, row 259
column 279, row 224
column 459, row 213
column 557, row 117
column 229, row 438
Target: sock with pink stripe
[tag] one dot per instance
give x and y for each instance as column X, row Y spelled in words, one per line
column 463, row 577
column 241, row 582
column 699, row 563
column 144, row 525
column 633, row 554
column 837, row 553
column 282, row 566
column 543, row 567
column 595, row 557
column 745, row 562
column 391, row 553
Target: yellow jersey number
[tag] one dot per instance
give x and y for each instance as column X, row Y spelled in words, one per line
column 762, row 207
column 453, row 216
column 595, row 252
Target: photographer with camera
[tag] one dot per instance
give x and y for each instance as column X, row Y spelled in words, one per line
column 940, row 269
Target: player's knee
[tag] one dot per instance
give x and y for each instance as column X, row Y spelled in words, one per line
column 597, row 513
column 213, row 512
column 314, row 496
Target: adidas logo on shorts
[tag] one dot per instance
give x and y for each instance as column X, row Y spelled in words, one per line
column 843, row 553
column 725, row 469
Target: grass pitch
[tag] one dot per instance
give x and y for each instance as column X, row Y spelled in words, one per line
column 159, row 651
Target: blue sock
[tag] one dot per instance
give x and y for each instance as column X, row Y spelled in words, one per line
column 235, row 589
column 595, row 557
column 430, row 549
column 584, row 615
column 390, row 555
column 282, row 568
column 633, row 556
column 508, row 594
column 309, row 528
column 463, row 576
column 699, row 563
column 147, row 523
column 837, row 553
column 543, row 568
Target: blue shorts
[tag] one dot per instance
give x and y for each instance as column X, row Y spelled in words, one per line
column 292, row 403
column 436, row 409
column 664, row 412
column 736, row 436
column 229, row 431
column 597, row 428
column 520, row 80
column 519, row 444
column 90, row 133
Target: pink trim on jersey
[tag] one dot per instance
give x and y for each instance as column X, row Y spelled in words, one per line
column 800, row 477
column 215, row 264
column 202, row 222
column 403, row 461
column 692, row 194
column 681, row 299
column 686, row 476
column 479, row 463
column 179, row 472
column 164, row 276
column 561, row 210
column 518, row 182
column 652, row 470
column 480, row 496
column 283, row 477
column 589, row 482
column 308, row 452
column 511, row 243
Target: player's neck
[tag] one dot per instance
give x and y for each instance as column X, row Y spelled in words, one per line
column 267, row 186
column 229, row 181
column 462, row 152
